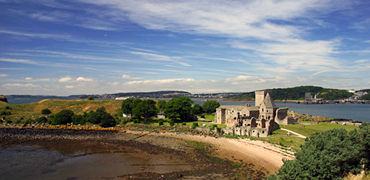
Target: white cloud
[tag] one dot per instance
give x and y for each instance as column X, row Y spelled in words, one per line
column 38, row 35
column 69, row 87
column 84, row 79
column 24, row 61
column 30, row 79
column 65, row 79
column 254, row 18
column 20, row 85
column 160, row 82
column 125, row 76
column 159, row 57
column 244, row 80
column 3, row 75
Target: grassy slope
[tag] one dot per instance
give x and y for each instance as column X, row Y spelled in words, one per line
column 307, row 130
column 77, row 106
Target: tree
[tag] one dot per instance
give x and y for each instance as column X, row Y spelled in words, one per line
column 161, row 105
column 326, row 155
column 90, row 98
column 178, row 108
column 101, row 117
column 210, row 106
column 107, row 120
column 63, row 117
column 78, row 119
column 365, row 141
column 365, row 97
column 197, row 109
column 127, row 106
column 145, row 108
column 45, row 111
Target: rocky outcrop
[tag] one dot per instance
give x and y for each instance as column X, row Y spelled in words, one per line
column 3, row 100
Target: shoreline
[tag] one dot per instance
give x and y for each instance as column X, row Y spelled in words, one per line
column 259, row 153
column 263, row 156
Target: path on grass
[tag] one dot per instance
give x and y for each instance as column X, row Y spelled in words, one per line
column 292, row 132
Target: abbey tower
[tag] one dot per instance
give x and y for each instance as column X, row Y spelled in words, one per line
column 259, row 97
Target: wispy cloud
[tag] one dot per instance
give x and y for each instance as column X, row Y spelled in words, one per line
column 23, row 61
column 159, row 57
column 37, row 35
column 65, row 79
column 255, row 19
column 28, row 85
column 125, row 76
column 160, row 82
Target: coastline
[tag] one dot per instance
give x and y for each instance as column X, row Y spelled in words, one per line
column 255, row 158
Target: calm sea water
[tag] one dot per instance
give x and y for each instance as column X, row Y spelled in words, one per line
column 359, row 112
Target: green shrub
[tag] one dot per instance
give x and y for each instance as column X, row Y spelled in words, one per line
column 29, row 121
column 107, row 121
column 195, row 125
column 3, row 112
column 172, row 123
column 9, row 121
column 160, row 123
column 213, row 126
column 77, row 119
column 46, row 111
column 63, row 117
column 183, row 123
column 42, row 119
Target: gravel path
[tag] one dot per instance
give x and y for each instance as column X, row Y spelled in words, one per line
column 292, row 132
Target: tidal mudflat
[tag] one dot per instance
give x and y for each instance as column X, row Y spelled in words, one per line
column 69, row 154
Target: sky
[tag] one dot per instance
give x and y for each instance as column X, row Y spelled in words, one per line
column 69, row 47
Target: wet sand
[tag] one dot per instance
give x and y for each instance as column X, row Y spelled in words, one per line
column 216, row 158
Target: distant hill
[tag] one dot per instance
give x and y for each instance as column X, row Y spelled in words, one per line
column 3, row 100
column 298, row 93
column 155, row 94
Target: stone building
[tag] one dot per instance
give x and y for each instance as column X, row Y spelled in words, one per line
column 259, row 120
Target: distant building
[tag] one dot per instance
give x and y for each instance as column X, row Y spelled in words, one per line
column 259, row 120
column 161, row 116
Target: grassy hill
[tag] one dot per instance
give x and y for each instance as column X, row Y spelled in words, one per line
column 3, row 100
column 32, row 110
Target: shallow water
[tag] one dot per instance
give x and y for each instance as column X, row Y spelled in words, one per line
column 35, row 162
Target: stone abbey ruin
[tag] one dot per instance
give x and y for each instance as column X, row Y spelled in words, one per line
column 258, row 121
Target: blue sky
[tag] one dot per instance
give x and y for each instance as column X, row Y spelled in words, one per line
column 69, row 47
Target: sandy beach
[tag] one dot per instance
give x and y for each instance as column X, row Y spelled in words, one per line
column 259, row 153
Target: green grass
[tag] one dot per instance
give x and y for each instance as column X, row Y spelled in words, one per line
column 280, row 137
column 207, row 123
column 307, row 130
column 210, row 117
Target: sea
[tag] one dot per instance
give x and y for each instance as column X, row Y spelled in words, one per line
column 358, row 112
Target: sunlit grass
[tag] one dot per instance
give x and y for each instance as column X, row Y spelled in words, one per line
column 307, row 130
